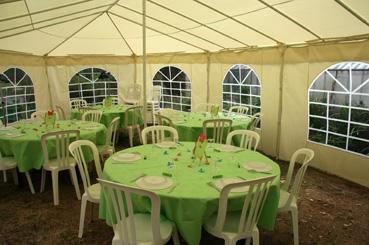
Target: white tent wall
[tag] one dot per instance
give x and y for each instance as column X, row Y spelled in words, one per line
column 62, row 69
column 302, row 66
column 34, row 66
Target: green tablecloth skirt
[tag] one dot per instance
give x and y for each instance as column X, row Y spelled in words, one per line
column 109, row 113
column 193, row 201
column 189, row 125
column 27, row 149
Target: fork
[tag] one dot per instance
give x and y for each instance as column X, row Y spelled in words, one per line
column 173, row 187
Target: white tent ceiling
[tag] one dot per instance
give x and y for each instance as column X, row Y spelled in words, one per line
column 114, row 27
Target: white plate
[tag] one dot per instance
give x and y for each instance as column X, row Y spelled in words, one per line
column 229, row 148
column 154, row 182
column 12, row 135
column 91, row 127
column 166, row 144
column 126, row 157
column 219, row 184
column 257, row 166
column 6, row 128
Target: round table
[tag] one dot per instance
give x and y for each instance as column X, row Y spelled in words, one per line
column 26, row 146
column 189, row 124
column 193, row 200
column 108, row 114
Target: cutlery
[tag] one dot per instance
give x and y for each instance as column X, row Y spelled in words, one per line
column 173, row 187
column 140, row 176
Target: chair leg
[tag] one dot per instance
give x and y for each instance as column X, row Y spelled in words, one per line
column 15, row 176
column 4, row 175
column 43, row 179
column 175, row 236
column 30, row 184
column 73, row 175
column 295, row 226
column 130, row 135
column 139, row 134
column 55, row 181
column 255, row 237
column 82, row 216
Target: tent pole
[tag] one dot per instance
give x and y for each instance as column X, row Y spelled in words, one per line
column 144, row 60
column 280, row 103
column 207, row 77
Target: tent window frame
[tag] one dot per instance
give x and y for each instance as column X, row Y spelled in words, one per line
column 90, row 88
column 336, row 115
column 168, row 84
column 28, row 104
column 240, row 81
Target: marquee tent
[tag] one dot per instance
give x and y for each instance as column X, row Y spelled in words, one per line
column 287, row 43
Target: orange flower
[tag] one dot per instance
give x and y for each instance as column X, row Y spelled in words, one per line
column 50, row 113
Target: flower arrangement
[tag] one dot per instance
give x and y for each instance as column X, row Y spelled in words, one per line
column 50, row 119
column 199, row 151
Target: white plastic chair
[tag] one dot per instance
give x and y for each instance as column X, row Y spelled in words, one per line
column 9, row 163
column 62, row 161
column 136, row 228
column 242, row 110
column 158, row 134
column 132, row 94
column 60, row 113
column 132, row 117
column 163, row 120
column 153, row 103
column 248, row 139
column 78, row 103
column 255, row 119
column 288, row 199
column 38, row 115
column 92, row 116
column 92, row 191
column 204, row 107
column 114, row 101
column 219, row 128
column 110, row 137
column 236, row 225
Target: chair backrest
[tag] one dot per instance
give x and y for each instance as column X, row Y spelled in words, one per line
column 115, row 100
column 120, row 208
column 204, row 107
column 255, row 119
column 158, row 134
column 307, row 155
column 62, row 140
column 163, row 120
column 92, row 116
column 252, row 205
column 155, row 93
column 60, row 112
column 38, row 115
column 77, row 148
column 133, row 116
column 238, row 109
column 78, row 103
column 132, row 93
column 111, row 133
column 219, row 128
column 248, row 139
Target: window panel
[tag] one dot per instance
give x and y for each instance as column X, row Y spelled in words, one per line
column 176, row 88
column 19, row 94
column 244, row 82
column 342, row 109
column 93, row 85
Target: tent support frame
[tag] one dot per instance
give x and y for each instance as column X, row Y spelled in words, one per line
column 120, row 33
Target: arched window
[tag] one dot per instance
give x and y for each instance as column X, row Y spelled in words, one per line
column 92, row 85
column 339, row 107
column 176, row 86
column 241, row 86
column 18, row 95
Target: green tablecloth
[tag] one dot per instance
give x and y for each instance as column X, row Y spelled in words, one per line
column 189, row 125
column 108, row 114
column 27, row 149
column 193, row 201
